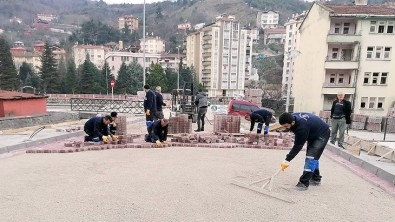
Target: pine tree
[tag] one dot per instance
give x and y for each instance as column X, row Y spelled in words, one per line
column 89, row 76
column 105, row 78
column 157, row 76
column 9, row 79
column 62, row 72
column 123, row 82
column 24, row 71
column 48, row 71
column 136, row 73
column 71, row 77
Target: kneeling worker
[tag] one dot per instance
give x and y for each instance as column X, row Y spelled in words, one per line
column 97, row 129
column 158, row 132
column 261, row 116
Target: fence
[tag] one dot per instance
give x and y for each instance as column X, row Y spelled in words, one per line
column 105, row 105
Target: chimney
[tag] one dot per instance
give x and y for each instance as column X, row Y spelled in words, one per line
column 361, row 2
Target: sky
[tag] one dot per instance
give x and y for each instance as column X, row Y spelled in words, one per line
column 131, row 1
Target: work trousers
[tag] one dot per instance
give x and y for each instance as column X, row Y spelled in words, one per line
column 200, row 119
column 338, row 125
column 314, row 151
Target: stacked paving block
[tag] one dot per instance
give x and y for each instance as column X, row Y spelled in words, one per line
column 325, row 116
column 391, row 125
column 374, row 123
column 358, row 121
column 121, row 125
column 180, row 124
column 254, row 96
column 226, row 124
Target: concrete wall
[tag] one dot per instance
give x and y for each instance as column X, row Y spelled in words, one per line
column 309, row 71
column 23, row 107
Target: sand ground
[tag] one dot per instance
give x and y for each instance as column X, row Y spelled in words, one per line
column 178, row 184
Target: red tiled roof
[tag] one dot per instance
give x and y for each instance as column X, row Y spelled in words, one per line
column 361, row 9
column 11, row 95
column 274, row 31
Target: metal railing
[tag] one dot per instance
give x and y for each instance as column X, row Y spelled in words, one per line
column 105, row 105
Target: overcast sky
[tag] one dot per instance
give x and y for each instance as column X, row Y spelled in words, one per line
column 131, row 1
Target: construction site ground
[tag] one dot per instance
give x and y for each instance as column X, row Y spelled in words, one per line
column 177, row 184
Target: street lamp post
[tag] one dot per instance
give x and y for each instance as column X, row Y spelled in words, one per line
column 178, row 76
column 105, row 62
column 144, row 44
column 292, row 55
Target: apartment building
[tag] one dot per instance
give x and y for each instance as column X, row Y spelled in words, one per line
column 252, row 38
column 291, row 44
column 96, row 54
column 128, row 21
column 274, row 36
column 267, row 19
column 153, row 44
column 221, row 48
column 349, row 49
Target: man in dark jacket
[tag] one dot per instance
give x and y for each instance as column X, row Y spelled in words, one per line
column 113, row 125
column 311, row 129
column 158, row 132
column 159, row 104
column 149, row 105
column 97, row 129
column 260, row 116
column 201, row 102
column 341, row 117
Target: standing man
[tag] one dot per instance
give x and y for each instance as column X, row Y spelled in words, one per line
column 158, row 132
column 159, row 104
column 97, row 129
column 261, row 116
column 201, row 102
column 149, row 105
column 311, row 129
column 341, row 117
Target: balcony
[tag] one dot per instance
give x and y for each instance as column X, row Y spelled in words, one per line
column 206, row 46
column 207, row 37
column 207, row 54
column 334, row 88
column 206, row 71
column 341, row 63
column 206, row 63
column 206, row 79
column 343, row 38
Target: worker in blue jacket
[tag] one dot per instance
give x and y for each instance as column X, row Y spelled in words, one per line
column 261, row 116
column 158, row 132
column 308, row 128
column 149, row 105
column 97, row 129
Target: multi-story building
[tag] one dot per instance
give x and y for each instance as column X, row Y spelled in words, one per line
column 221, row 48
column 96, row 54
column 153, row 45
column 267, row 19
column 128, row 21
column 274, row 36
column 291, row 44
column 349, row 49
column 252, row 37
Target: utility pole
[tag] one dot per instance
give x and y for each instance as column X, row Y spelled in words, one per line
column 144, row 45
column 179, row 64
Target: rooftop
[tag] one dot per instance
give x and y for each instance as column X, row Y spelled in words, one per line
column 274, row 31
column 376, row 9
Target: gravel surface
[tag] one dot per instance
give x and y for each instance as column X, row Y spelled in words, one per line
column 178, row 184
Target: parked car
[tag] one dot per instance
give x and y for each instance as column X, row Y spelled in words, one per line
column 243, row 107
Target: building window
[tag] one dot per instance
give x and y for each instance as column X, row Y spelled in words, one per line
column 380, row 103
column 381, row 27
column 112, row 68
column 387, row 52
column 390, row 27
column 337, row 28
column 340, row 80
column 335, row 53
column 346, row 28
column 332, row 78
column 383, row 78
column 370, row 52
column 364, row 100
column 373, row 26
column 372, row 102
column 375, row 78
column 366, row 79
column 378, row 52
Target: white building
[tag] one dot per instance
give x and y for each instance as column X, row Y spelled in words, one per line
column 153, row 45
column 267, row 19
column 218, row 53
column 96, row 54
column 349, row 49
column 291, row 44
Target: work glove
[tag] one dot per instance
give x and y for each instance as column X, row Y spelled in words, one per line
column 158, row 143
column 164, row 142
column 105, row 139
column 284, row 165
column 148, row 112
column 115, row 138
column 114, row 124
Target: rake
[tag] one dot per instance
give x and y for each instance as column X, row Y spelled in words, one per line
column 265, row 189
